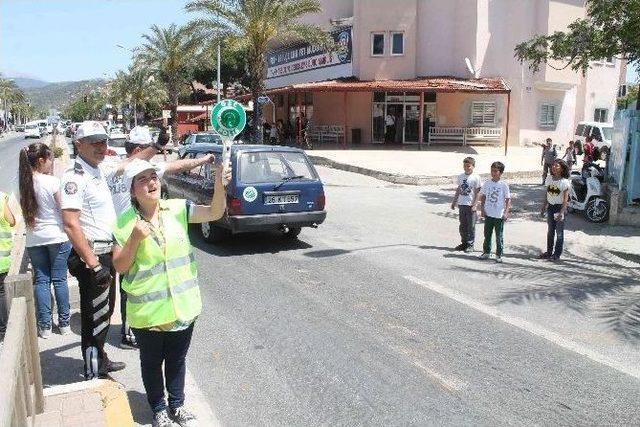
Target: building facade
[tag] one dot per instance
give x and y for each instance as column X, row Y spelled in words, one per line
column 443, row 67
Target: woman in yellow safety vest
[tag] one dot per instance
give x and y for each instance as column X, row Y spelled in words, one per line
column 153, row 254
column 7, row 221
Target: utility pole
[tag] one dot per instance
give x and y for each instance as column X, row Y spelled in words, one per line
column 218, row 77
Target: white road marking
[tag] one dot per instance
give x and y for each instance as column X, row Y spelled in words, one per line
column 197, row 403
column 527, row 326
column 449, row 384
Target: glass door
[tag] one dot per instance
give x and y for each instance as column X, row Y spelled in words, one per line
column 411, row 123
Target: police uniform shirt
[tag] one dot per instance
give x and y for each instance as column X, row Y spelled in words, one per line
column 85, row 188
column 120, row 194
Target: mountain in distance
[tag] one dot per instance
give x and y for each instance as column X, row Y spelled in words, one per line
column 28, row 83
column 58, row 95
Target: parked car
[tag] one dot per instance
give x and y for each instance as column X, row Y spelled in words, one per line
column 32, row 130
column 600, row 132
column 115, row 145
column 200, row 138
column 19, row 128
column 273, row 188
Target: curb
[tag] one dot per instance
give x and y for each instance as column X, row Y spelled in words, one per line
column 410, row 179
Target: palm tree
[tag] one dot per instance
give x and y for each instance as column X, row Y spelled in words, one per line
column 255, row 25
column 9, row 93
column 168, row 54
column 138, row 88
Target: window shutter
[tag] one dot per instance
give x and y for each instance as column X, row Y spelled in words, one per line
column 483, row 113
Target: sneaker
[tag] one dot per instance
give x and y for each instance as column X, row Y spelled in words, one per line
column 65, row 330
column 183, row 417
column 161, row 419
column 468, row 249
column 460, row 247
column 499, row 259
column 44, row 333
column 129, row 342
column 484, row 256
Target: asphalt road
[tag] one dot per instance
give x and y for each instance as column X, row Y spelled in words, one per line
column 10, row 146
column 372, row 320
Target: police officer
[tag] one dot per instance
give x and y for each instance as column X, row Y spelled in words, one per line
column 140, row 145
column 88, row 217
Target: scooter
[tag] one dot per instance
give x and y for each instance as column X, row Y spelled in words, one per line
column 585, row 193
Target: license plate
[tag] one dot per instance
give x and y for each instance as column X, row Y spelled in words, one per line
column 281, row 199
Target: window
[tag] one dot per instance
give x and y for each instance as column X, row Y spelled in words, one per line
column 397, row 43
column 600, row 115
column 547, row 115
column 483, row 113
column 377, row 44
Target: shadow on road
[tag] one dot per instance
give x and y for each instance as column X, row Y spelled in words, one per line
column 600, row 283
column 248, row 244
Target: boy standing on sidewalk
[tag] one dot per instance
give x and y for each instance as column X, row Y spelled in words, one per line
column 496, row 203
column 466, row 198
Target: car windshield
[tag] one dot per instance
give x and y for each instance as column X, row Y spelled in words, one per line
column 208, row 139
column 32, row 126
column 117, row 142
column 273, row 166
column 608, row 133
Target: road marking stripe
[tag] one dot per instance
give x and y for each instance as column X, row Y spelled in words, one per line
column 449, row 384
column 527, row 326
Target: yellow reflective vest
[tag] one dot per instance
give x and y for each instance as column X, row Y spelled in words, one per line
column 6, row 237
column 162, row 283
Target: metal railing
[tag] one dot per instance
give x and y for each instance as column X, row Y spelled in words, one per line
column 21, row 395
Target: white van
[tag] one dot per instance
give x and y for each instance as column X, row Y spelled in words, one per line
column 600, row 132
column 32, row 130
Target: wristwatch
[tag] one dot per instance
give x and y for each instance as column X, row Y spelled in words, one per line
column 97, row 268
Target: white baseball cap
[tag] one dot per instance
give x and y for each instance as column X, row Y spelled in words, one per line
column 91, row 131
column 140, row 135
column 135, row 167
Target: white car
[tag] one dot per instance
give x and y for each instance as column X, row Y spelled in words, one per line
column 32, row 130
column 115, row 146
column 600, row 132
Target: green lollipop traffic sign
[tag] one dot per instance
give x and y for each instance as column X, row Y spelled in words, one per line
column 228, row 119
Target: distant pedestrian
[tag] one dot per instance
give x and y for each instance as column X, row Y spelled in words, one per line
column 495, row 199
column 273, row 135
column 47, row 244
column 7, row 222
column 389, row 127
column 466, row 198
column 570, row 155
column 549, row 154
column 589, row 151
column 555, row 206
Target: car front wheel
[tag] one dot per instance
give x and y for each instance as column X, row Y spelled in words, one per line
column 213, row 233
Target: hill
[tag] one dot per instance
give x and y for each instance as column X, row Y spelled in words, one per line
column 57, row 95
column 28, row 83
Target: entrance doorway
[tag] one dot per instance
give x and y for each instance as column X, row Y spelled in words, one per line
column 396, row 117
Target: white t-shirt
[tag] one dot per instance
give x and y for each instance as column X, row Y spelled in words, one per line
column 496, row 194
column 120, row 194
column 48, row 228
column 85, row 188
column 555, row 188
column 467, row 184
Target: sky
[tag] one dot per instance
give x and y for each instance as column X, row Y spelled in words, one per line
column 63, row 40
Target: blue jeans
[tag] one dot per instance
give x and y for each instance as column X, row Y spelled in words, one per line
column 49, row 264
column 554, row 229
column 168, row 349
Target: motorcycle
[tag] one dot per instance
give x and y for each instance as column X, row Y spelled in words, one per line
column 586, row 193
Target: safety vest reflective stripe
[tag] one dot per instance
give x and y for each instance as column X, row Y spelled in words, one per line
column 163, row 293
column 160, row 268
column 5, row 235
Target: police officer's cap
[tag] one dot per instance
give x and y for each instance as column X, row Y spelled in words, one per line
column 91, row 131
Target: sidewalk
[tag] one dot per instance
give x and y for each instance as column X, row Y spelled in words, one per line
column 431, row 165
column 123, row 400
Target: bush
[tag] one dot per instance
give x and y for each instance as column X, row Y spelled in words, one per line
column 58, row 152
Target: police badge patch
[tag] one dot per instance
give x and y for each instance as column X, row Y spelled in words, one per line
column 71, row 188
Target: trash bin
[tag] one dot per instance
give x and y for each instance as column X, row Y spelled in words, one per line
column 356, row 135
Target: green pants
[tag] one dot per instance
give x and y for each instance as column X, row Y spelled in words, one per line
column 491, row 224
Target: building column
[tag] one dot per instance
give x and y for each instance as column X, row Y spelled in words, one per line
column 421, row 121
column 299, row 121
column 344, row 118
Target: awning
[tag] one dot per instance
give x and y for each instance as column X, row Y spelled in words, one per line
column 421, row 84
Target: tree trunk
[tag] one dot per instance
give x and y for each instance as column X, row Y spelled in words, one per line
column 173, row 121
column 257, row 74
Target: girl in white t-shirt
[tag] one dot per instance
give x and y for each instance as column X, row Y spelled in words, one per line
column 47, row 244
column 555, row 206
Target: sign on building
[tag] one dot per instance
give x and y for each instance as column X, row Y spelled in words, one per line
column 304, row 57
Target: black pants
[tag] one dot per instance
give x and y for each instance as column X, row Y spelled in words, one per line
column 555, row 229
column 546, row 168
column 4, row 313
column 171, row 348
column 96, row 308
column 467, row 225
